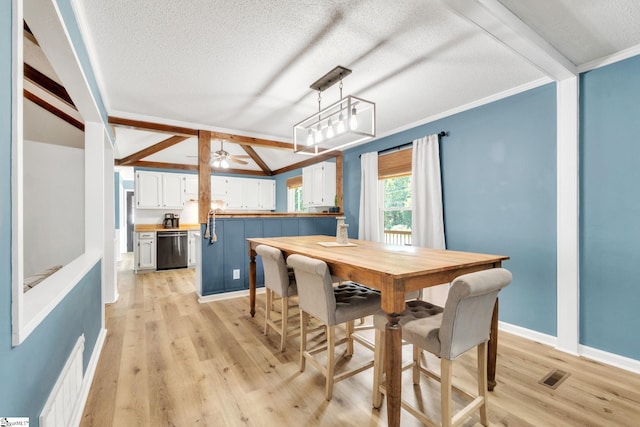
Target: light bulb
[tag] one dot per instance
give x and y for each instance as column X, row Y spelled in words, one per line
column 340, row 126
column 224, row 163
column 310, row 138
column 216, row 163
column 318, row 134
column 353, row 122
column 329, row 129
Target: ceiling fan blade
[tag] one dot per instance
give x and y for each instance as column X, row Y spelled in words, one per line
column 239, row 156
column 242, row 162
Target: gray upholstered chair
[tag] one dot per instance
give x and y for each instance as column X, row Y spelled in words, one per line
column 331, row 305
column 464, row 323
column 278, row 280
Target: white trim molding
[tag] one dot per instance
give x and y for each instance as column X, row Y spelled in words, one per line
column 568, row 215
column 227, row 295
column 495, row 19
column 87, row 379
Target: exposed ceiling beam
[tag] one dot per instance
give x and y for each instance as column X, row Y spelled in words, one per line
column 53, row 110
column 28, row 34
column 162, row 165
column 311, row 161
column 498, row 21
column 146, row 152
column 256, row 158
column 154, row 127
column 247, row 140
column 47, row 84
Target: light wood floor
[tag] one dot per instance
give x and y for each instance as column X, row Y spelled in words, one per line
column 170, row 361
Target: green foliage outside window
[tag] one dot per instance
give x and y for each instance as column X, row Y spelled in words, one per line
column 397, row 203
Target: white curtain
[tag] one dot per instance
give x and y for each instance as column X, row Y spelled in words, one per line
column 369, row 218
column 427, row 222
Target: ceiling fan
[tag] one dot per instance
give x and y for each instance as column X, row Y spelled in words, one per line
column 222, row 158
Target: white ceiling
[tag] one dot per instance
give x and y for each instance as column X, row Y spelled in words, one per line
column 245, row 66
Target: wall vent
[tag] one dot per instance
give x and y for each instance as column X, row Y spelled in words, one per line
column 64, row 399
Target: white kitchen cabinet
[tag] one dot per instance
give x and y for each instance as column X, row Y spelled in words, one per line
column 189, row 188
column 192, row 248
column 235, row 193
column 319, row 184
column 145, row 251
column 157, row 190
column 218, row 188
column 148, row 190
column 267, row 192
column 172, row 190
column 251, row 193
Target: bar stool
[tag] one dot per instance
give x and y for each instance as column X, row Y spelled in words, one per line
column 279, row 281
column 463, row 324
column 331, row 305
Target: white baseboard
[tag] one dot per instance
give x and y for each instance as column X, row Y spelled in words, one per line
column 88, row 377
column 595, row 354
column 549, row 340
column 612, row 359
column 227, row 295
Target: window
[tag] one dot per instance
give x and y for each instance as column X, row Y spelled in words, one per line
column 394, row 174
column 294, row 194
column 396, row 209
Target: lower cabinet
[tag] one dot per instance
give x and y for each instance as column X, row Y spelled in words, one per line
column 145, row 251
column 193, row 241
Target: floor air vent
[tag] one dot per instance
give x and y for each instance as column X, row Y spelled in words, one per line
column 554, row 378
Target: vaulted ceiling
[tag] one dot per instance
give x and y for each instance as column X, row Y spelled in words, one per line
column 244, row 67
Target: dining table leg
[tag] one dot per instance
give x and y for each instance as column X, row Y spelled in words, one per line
column 393, row 368
column 252, row 281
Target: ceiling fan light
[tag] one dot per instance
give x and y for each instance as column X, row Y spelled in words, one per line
column 216, row 163
column 224, row 163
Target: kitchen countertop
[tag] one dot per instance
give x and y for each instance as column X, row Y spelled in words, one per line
column 159, row 227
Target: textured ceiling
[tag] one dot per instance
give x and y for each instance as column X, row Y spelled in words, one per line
column 245, row 66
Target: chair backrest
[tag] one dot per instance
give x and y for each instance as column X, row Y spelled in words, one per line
column 315, row 288
column 276, row 276
column 466, row 320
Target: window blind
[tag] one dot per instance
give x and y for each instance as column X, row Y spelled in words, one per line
column 296, row 181
column 397, row 163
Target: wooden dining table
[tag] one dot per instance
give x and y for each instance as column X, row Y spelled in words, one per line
column 393, row 270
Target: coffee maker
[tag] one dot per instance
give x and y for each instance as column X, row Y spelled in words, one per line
column 171, row 220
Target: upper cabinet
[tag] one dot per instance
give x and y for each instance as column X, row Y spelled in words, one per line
column 319, row 185
column 244, row 193
column 148, row 190
column 158, row 190
column 189, row 188
column 172, row 190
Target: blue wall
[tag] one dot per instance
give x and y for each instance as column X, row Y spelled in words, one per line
column 610, row 208
column 281, row 189
column 29, row 371
column 499, row 194
column 230, row 252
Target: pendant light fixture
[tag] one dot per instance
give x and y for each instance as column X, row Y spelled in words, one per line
column 348, row 121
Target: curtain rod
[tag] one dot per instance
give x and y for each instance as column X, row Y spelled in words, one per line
column 407, row 145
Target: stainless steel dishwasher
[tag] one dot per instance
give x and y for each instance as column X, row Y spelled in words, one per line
column 172, row 249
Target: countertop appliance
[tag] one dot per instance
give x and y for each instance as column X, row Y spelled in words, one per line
column 172, row 250
column 171, row 220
